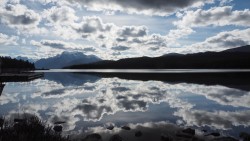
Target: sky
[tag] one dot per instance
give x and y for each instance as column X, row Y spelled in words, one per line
column 115, row 29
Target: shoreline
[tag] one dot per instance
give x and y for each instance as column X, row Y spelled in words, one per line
column 33, row 128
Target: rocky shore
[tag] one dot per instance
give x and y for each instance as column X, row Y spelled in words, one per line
column 32, row 128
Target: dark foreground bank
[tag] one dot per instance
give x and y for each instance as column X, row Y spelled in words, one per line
column 33, row 129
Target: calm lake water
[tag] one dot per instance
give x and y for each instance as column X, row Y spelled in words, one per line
column 88, row 101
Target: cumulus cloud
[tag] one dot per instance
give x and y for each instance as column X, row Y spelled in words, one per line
column 108, row 36
column 120, row 48
column 19, row 17
column 219, row 94
column 132, row 31
column 60, row 15
column 180, row 32
column 224, row 2
column 8, row 40
column 90, row 25
column 218, row 119
column 89, row 49
column 222, row 41
column 156, row 7
column 217, row 16
column 112, row 97
column 58, row 44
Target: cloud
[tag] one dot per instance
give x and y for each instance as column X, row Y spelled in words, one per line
column 19, row 17
column 88, row 27
column 133, row 31
column 180, row 32
column 218, row 119
column 108, row 98
column 89, row 49
column 8, row 40
column 120, row 48
column 58, row 44
column 224, row 2
column 6, row 98
column 222, row 41
column 92, row 25
column 109, row 36
column 60, row 15
column 216, row 16
column 146, row 7
column 220, row 94
column 150, row 131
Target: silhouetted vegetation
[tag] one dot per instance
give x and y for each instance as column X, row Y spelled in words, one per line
column 28, row 129
column 237, row 58
column 33, row 129
column 12, row 63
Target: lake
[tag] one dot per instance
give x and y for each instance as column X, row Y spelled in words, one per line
column 89, row 100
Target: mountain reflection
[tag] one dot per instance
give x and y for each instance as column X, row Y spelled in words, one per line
column 93, row 101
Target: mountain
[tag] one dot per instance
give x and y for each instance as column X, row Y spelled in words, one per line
column 65, row 59
column 25, row 59
column 239, row 49
column 236, row 58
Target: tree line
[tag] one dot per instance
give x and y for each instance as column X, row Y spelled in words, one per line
column 12, row 63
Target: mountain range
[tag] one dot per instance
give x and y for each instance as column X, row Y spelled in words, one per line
column 236, row 58
column 65, row 59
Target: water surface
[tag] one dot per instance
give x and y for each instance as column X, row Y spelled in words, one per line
column 87, row 101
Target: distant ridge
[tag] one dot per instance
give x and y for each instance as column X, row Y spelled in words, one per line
column 236, row 58
column 65, row 59
column 239, row 49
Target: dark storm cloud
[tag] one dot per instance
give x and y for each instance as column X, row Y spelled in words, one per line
column 167, row 5
column 153, row 7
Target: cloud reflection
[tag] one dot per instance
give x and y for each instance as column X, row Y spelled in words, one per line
column 91, row 101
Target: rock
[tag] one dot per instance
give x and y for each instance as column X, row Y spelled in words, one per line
column 204, row 130
column 1, row 122
column 125, row 127
column 184, row 135
column 189, row 131
column 245, row 136
column 213, row 134
column 110, row 127
column 59, row 122
column 18, row 120
column 225, row 139
column 116, row 138
column 166, row 138
column 138, row 133
column 93, row 137
column 58, row 128
column 197, row 139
